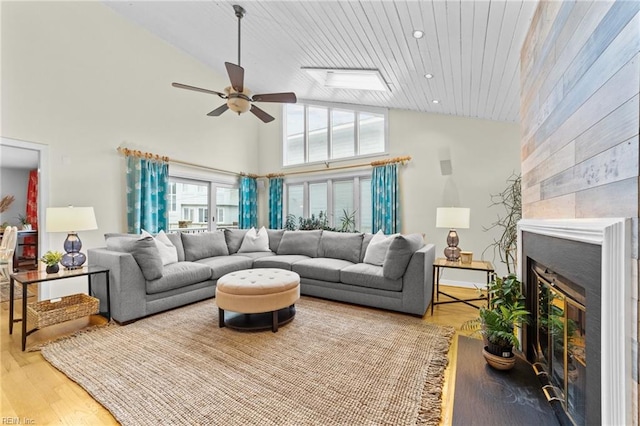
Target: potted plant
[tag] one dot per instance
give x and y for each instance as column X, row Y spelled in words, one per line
column 52, row 258
column 24, row 222
column 498, row 321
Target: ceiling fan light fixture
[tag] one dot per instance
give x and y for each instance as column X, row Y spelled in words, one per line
column 238, row 103
column 349, row 78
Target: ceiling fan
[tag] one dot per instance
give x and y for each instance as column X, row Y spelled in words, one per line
column 239, row 98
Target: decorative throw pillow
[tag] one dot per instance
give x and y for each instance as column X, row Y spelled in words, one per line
column 399, row 254
column 145, row 252
column 377, row 248
column 234, row 239
column 204, row 244
column 255, row 241
column 168, row 252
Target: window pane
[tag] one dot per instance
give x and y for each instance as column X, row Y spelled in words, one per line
column 342, row 133
column 317, row 198
column 227, row 207
column 190, row 199
column 294, row 145
column 342, row 201
column 365, row 205
column 295, row 200
column 371, row 133
column 318, row 134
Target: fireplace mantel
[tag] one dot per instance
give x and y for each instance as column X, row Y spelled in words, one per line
column 613, row 235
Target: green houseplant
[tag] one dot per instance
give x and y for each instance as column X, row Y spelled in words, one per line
column 51, row 259
column 497, row 322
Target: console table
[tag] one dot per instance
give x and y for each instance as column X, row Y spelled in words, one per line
column 34, row 277
column 442, row 263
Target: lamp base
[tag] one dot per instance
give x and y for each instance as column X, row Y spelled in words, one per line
column 452, row 252
column 73, row 259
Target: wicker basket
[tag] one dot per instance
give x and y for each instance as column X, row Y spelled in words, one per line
column 46, row 312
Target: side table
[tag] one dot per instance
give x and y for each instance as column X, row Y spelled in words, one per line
column 441, row 263
column 34, row 277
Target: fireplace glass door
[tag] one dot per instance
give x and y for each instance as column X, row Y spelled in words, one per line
column 561, row 324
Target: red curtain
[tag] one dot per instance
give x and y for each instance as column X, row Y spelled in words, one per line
column 31, row 213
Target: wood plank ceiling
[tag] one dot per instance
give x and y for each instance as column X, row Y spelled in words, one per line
column 472, row 48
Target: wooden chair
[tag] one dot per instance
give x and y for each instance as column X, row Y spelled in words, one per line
column 7, row 247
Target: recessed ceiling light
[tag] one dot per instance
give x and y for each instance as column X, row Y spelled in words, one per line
column 418, row 34
column 435, row 101
column 428, row 76
column 359, row 79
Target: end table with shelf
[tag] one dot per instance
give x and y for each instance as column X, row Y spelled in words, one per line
column 35, row 277
column 442, row 263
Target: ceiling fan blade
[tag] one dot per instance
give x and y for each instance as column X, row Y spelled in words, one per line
column 261, row 114
column 236, row 76
column 289, row 97
column 198, row 89
column 216, row 112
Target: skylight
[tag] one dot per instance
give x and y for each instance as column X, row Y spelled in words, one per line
column 358, row 79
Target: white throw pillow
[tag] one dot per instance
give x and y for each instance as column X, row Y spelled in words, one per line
column 377, row 248
column 255, row 241
column 168, row 252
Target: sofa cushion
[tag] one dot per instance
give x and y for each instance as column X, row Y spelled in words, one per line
column 204, row 244
column 279, row 261
column 378, row 247
column 146, row 254
column 399, row 254
column 300, row 242
column 321, row 268
column 221, row 265
column 341, row 245
column 234, row 239
column 256, row 254
column 168, row 252
column 176, row 240
column 177, row 275
column 371, row 276
column 366, row 239
column 275, row 235
column 255, row 241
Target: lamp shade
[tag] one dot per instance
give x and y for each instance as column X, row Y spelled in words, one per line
column 452, row 217
column 70, row 219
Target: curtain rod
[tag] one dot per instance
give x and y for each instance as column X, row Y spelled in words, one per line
column 401, row 160
column 129, row 152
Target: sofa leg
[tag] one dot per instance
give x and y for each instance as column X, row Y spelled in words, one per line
column 274, row 326
column 220, row 317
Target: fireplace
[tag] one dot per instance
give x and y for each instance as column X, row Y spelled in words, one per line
column 577, row 281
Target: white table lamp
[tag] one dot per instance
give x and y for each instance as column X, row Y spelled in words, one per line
column 452, row 218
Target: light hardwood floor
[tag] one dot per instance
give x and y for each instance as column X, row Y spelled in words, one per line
column 33, row 392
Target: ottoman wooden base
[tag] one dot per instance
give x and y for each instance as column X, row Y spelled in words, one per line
column 255, row 322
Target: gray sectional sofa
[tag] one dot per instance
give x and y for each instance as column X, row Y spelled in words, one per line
column 330, row 265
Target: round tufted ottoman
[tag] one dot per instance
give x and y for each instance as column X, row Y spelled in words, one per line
column 265, row 297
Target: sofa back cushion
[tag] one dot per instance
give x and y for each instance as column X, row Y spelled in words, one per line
column 275, row 235
column 234, row 239
column 399, row 254
column 204, row 244
column 341, row 245
column 300, row 242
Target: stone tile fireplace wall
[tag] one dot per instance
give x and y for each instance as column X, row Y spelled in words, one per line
column 580, row 115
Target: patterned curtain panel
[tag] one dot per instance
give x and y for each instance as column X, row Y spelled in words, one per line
column 385, row 199
column 31, row 213
column 248, row 205
column 147, row 187
column 275, row 202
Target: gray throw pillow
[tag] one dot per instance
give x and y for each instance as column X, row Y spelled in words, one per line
column 275, row 235
column 234, row 239
column 399, row 255
column 300, row 242
column 147, row 256
column 176, row 240
column 204, row 244
column 341, row 245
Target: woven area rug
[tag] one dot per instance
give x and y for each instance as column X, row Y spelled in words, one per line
column 333, row 364
column 4, row 291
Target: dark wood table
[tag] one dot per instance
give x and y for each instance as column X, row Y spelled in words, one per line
column 441, row 263
column 34, row 277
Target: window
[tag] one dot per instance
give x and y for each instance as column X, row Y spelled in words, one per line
column 190, row 203
column 344, row 194
column 317, row 133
